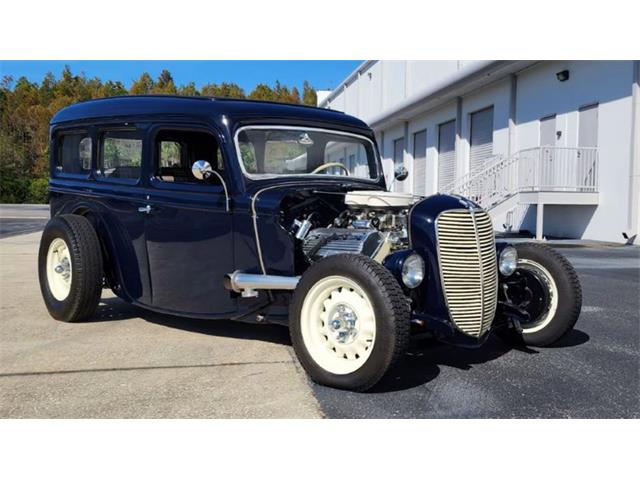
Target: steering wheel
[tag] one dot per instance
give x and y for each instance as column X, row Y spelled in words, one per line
column 329, row 165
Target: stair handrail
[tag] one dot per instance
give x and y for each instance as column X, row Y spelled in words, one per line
column 504, row 177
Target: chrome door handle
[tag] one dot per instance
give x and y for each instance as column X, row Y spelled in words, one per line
column 145, row 209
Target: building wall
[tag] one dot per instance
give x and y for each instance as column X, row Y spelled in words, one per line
column 538, row 94
column 609, row 85
column 386, row 83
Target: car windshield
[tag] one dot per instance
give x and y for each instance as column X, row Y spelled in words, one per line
column 298, row 151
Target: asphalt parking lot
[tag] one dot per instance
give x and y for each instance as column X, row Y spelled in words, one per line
column 21, row 219
column 131, row 363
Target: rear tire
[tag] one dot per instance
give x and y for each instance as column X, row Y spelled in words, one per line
column 553, row 298
column 70, row 268
column 349, row 322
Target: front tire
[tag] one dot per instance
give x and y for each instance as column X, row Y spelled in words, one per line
column 552, row 295
column 349, row 322
column 70, row 268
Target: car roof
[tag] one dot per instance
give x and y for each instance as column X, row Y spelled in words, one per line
column 145, row 105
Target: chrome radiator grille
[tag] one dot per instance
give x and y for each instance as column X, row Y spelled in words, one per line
column 467, row 254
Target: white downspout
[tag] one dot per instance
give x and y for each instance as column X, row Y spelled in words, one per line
column 634, row 179
column 513, row 92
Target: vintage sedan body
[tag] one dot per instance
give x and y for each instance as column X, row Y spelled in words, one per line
column 263, row 212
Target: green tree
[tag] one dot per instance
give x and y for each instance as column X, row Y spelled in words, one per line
column 224, row 90
column 165, row 84
column 189, row 90
column 262, row 92
column 112, row 89
column 309, row 96
column 142, row 86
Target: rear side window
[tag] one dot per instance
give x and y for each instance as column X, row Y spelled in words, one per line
column 74, row 153
column 120, row 154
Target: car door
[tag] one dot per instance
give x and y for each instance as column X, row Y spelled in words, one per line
column 188, row 227
column 120, row 195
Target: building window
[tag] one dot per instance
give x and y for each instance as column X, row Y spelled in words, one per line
column 398, row 151
column 74, row 153
column 446, row 155
column 121, row 154
column 420, row 163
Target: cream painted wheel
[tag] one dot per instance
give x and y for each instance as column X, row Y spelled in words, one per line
column 338, row 325
column 349, row 322
column 70, row 268
column 59, row 271
column 546, row 279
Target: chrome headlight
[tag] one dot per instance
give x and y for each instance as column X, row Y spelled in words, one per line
column 413, row 271
column 508, row 260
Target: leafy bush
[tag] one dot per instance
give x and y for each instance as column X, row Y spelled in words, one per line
column 13, row 189
column 38, row 191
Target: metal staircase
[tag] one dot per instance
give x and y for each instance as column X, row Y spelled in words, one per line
column 540, row 175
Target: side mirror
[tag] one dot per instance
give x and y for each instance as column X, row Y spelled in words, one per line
column 201, row 169
column 401, row 173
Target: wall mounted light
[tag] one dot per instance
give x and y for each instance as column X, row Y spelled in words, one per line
column 563, row 76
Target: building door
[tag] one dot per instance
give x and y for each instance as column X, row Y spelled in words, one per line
column 587, row 145
column 446, row 155
column 420, row 163
column 544, row 171
column 481, row 139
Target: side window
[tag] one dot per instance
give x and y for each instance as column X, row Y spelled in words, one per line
column 120, row 154
column 74, row 153
column 177, row 150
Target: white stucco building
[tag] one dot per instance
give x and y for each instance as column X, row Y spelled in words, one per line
column 551, row 147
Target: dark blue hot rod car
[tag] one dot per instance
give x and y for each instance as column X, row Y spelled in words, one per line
column 256, row 211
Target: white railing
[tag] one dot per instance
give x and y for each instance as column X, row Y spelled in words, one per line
column 558, row 169
column 548, row 169
column 461, row 182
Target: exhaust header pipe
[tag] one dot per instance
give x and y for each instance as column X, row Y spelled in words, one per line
column 248, row 284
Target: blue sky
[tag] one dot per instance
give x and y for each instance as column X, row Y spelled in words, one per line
column 322, row 74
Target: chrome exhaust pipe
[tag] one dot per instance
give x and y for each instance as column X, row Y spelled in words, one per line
column 248, row 284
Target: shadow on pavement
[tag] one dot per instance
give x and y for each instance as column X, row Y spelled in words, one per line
column 114, row 309
column 574, row 338
column 422, row 363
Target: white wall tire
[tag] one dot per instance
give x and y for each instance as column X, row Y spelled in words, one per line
column 547, row 279
column 349, row 322
column 70, row 268
column 553, row 295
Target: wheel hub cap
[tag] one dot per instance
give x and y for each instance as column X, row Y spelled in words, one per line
column 343, row 324
column 63, row 268
column 59, row 271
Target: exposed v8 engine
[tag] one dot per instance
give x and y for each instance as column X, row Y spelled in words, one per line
column 370, row 228
column 323, row 242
